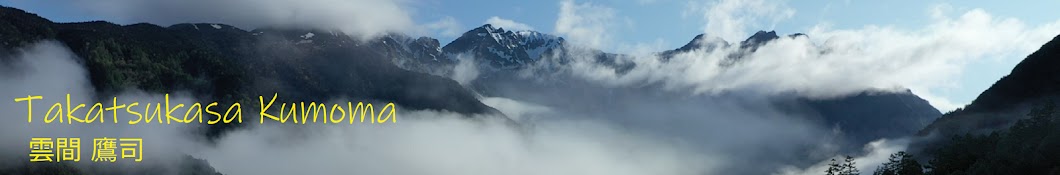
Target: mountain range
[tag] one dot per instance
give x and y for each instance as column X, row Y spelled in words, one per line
column 225, row 63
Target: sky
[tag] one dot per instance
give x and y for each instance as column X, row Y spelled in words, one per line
column 655, row 25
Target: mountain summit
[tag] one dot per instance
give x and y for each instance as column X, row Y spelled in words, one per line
column 504, row 48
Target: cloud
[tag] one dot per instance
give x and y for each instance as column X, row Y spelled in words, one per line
column 732, row 19
column 836, row 62
column 45, row 69
column 585, row 23
column 362, row 18
column 942, row 104
column 730, row 130
column 50, row 70
column 446, row 143
column 507, row 24
column 466, row 70
column 517, row 110
column 446, row 27
column 876, row 153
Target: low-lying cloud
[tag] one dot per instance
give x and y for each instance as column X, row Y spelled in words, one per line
column 50, row 70
column 428, row 142
column 465, row 70
column 875, row 154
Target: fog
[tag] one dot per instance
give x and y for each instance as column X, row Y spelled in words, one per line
column 428, row 142
column 876, row 153
column 50, row 70
column 464, row 71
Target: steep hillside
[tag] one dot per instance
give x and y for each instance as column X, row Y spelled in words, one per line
column 1034, row 80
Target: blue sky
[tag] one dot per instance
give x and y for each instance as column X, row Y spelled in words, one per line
column 669, row 24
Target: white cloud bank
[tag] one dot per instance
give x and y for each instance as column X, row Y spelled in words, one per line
column 829, row 63
column 731, row 19
column 876, row 153
column 447, row 144
column 585, row 23
column 507, row 24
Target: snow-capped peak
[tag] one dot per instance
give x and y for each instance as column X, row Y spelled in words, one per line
column 504, row 48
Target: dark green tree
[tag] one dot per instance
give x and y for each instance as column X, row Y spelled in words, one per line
column 833, row 168
column 900, row 163
column 1028, row 146
column 847, row 167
